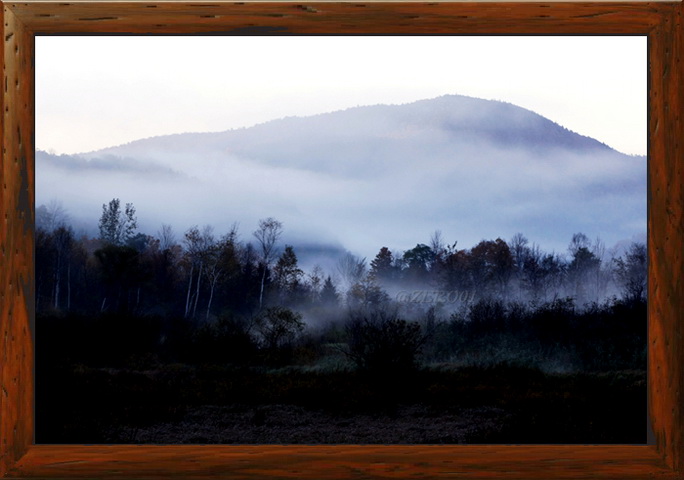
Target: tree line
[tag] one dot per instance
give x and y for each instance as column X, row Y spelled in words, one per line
column 202, row 274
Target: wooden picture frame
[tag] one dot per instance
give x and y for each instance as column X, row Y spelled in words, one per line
column 661, row 21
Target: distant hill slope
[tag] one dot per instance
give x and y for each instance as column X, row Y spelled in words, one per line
column 344, row 140
column 371, row 176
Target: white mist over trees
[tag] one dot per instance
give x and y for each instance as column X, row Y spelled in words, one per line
column 531, row 262
column 370, row 176
column 337, row 296
column 496, row 301
column 223, row 273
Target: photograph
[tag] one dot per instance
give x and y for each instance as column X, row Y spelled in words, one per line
column 390, row 240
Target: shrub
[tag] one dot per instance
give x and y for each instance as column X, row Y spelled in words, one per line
column 226, row 341
column 382, row 343
column 278, row 327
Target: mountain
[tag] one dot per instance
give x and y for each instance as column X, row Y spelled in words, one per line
column 345, row 141
column 370, row 176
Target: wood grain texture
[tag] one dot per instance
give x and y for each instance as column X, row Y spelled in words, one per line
column 343, row 462
column 342, row 18
column 16, row 245
column 666, row 239
column 661, row 21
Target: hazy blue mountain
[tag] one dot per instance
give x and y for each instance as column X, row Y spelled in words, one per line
column 372, row 176
column 355, row 140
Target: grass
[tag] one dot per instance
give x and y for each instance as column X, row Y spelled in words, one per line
column 81, row 404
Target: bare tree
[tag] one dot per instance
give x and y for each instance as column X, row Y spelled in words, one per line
column 436, row 241
column 267, row 234
column 315, row 281
column 221, row 259
column 207, row 243
column 579, row 241
column 192, row 238
column 601, row 275
column 532, row 275
column 351, row 268
column 63, row 241
column 198, row 245
column 51, row 216
column 520, row 251
column 167, row 239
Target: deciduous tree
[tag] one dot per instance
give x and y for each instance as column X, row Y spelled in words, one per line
column 631, row 272
column 267, row 235
column 117, row 226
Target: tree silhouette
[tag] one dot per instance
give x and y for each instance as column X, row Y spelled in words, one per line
column 288, row 275
column 329, row 295
column 267, row 234
column 117, row 226
column 382, row 267
column 631, row 272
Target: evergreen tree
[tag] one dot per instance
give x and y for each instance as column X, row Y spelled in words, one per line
column 382, row 266
column 329, row 295
column 287, row 272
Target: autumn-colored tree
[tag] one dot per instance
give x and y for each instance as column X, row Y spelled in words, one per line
column 367, row 295
column 491, row 267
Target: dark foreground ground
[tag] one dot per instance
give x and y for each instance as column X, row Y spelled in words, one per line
column 183, row 404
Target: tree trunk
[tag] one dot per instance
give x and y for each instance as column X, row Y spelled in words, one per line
column 211, row 295
column 199, row 277
column 187, row 299
column 69, row 286
column 261, row 292
column 56, row 302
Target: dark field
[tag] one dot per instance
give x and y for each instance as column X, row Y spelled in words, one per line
column 183, row 404
column 500, row 374
column 178, row 404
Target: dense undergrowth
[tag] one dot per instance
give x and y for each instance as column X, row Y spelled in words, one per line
column 557, row 373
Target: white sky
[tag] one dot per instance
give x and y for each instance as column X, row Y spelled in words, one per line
column 101, row 91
